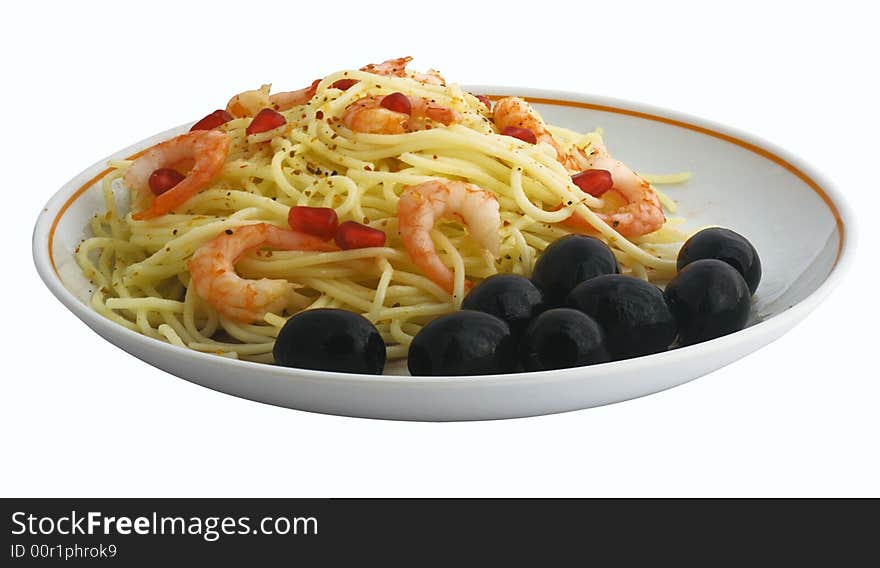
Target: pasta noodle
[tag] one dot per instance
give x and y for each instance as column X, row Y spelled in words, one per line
column 139, row 267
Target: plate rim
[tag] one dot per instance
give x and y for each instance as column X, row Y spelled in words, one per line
column 54, row 209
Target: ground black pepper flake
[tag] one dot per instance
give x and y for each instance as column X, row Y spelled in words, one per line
column 228, row 231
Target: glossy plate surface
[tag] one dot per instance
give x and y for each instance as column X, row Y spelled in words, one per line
column 796, row 220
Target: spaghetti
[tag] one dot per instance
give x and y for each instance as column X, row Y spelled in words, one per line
column 140, row 266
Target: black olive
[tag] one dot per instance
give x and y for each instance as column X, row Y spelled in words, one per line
column 569, row 261
column 561, row 338
column 632, row 312
column 463, row 343
column 709, row 298
column 726, row 245
column 330, row 340
column 513, row 298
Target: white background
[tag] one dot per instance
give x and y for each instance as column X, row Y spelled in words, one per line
column 79, row 417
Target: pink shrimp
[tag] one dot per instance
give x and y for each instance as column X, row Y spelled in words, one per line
column 249, row 103
column 397, row 68
column 642, row 213
column 212, row 268
column 516, row 112
column 367, row 115
column 423, row 205
column 206, row 150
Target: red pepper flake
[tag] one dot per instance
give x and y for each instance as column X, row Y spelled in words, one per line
column 212, row 121
column 267, row 119
column 352, row 235
column 594, row 182
column 319, row 115
column 523, row 134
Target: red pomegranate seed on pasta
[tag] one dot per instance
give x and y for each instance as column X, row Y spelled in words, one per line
column 594, row 182
column 523, row 134
column 266, row 120
column 164, row 179
column 212, row 121
column 318, row 221
column 398, row 102
column 344, row 84
column 485, row 100
column 351, row 235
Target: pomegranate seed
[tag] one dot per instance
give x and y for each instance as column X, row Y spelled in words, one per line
column 318, row 221
column 485, row 100
column 212, row 121
column 351, row 235
column 594, row 182
column 164, row 179
column 523, row 134
column 344, row 84
column 266, row 120
column 398, row 102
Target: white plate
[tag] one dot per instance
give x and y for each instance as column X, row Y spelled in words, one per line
column 797, row 221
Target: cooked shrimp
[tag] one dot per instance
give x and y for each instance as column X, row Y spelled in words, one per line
column 249, row 103
column 397, row 68
column 641, row 215
column 514, row 111
column 367, row 115
column 213, row 271
column 422, row 205
column 206, row 150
